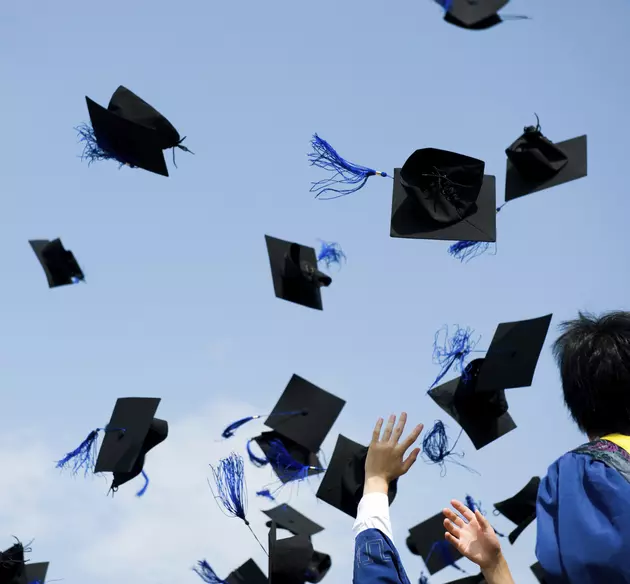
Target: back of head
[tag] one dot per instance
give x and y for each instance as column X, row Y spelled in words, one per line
column 593, row 354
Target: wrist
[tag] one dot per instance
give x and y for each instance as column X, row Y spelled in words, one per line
column 497, row 569
column 376, row 485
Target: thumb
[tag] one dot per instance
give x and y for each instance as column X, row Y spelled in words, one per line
column 410, row 460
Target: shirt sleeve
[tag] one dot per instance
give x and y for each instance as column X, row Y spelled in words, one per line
column 373, row 513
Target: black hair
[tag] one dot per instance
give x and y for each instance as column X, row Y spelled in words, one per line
column 593, row 354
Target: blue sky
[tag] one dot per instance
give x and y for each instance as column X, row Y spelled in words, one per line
column 179, row 301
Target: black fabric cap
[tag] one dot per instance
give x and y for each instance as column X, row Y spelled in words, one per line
column 321, row 411
column 60, row 265
column 482, row 415
column 538, row 572
column 424, row 536
column 295, row 274
column 288, row 518
column 342, row 485
column 521, row 508
column 132, row 432
column 36, row 572
column 443, row 195
column 484, row 24
column 12, row 567
column 478, row 579
column 131, row 143
column 298, row 453
column 533, row 160
column 513, row 354
column 289, row 558
column 126, row 104
column 248, row 573
column 471, row 12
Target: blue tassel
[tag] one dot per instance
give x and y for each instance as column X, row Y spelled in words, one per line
column 446, row 4
column 285, row 465
column 345, row 173
column 266, row 493
column 453, row 351
column 476, row 505
column 464, row 251
column 331, row 253
column 229, row 431
column 230, row 481
column 206, row 573
column 424, row 579
column 143, row 490
column 93, row 151
column 435, row 446
column 256, row 460
column 444, row 549
column 83, row 456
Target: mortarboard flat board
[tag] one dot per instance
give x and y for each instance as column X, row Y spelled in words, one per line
column 298, row 453
column 472, row 12
column 443, row 195
column 521, row 508
column 513, row 354
column 518, row 184
column 480, row 25
column 295, row 274
column 288, row 518
column 483, row 415
column 129, row 142
column 12, row 567
column 60, row 266
column 342, row 485
column 422, row 539
column 248, row 573
column 321, row 411
column 36, row 572
column 289, row 558
column 538, row 572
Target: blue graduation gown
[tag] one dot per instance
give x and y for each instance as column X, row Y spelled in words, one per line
column 376, row 560
column 583, row 516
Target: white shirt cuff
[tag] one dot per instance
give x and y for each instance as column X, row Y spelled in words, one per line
column 373, row 513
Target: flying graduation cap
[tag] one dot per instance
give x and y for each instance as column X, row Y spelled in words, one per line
column 12, row 566
column 286, row 517
column 475, row 14
column 60, row 266
column 437, row 194
column 294, row 561
column 342, row 485
column 538, row 572
column 130, row 131
column 427, row 541
column 521, row 508
column 248, row 573
column 477, row 400
column 294, row 271
column 36, row 573
column 132, row 431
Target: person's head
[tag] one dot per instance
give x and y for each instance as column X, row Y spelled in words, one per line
column 593, row 354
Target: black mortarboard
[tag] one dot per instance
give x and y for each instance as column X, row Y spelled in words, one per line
column 248, row 573
column 427, row 541
column 342, row 485
column 126, row 141
column 521, row 508
column 322, row 410
column 483, row 415
column 288, row 518
column 36, row 572
column 443, row 195
column 60, row 266
column 538, row 572
column 474, row 13
column 130, row 434
column 294, row 561
column 535, row 163
column 12, row 567
column 295, row 274
column 298, row 453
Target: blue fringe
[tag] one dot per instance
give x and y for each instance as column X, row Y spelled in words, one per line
column 444, row 549
column 464, row 251
column 345, row 173
column 206, row 573
column 453, row 351
column 284, row 464
column 83, row 456
column 255, row 460
column 229, row 431
column 435, row 447
column 92, row 151
column 230, row 481
column 143, row 490
column 266, row 493
column 446, row 4
column 331, row 253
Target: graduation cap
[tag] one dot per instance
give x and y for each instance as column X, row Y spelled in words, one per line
column 294, row 561
column 322, row 410
column 60, row 266
column 36, row 572
column 294, row 271
column 521, row 508
column 248, row 573
column 427, row 541
column 286, row 517
column 538, row 572
column 132, row 431
column 535, row 163
column 342, row 485
column 130, row 131
column 12, row 566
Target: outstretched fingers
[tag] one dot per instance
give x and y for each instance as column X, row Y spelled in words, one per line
column 413, row 436
column 409, row 461
column 465, row 511
column 453, row 517
column 387, row 434
column 376, row 434
column 400, row 427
